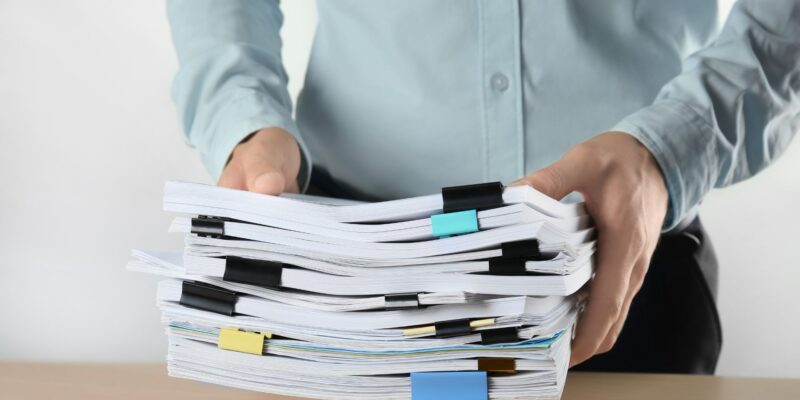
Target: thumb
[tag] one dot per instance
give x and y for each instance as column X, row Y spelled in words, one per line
column 556, row 180
column 256, row 177
column 268, row 182
column 266, row 162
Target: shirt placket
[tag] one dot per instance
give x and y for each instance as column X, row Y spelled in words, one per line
column 501, row 89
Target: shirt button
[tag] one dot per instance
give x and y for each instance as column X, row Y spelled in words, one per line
column 499, row 82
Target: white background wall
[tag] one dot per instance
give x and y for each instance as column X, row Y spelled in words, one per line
column 88, row 135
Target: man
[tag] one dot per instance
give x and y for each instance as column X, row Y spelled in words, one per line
column 639, row 106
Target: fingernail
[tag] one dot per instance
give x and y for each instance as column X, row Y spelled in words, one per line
column 269, row 183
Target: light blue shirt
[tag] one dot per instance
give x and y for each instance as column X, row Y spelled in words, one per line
column 404, row 97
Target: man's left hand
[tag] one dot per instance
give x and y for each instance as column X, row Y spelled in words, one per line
column 627, row 199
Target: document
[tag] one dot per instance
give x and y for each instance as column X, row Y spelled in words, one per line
column 477, row 286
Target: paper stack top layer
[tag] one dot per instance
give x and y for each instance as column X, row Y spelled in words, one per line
column 475, row 288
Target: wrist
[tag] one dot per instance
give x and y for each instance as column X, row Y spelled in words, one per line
column 644, row 166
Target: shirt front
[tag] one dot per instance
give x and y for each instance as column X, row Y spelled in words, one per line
column 402, row 98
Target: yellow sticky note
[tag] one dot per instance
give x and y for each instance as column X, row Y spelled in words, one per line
column 241, row 341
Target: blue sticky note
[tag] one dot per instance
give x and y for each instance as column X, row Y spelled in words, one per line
column 454, row 223
column 466, row 385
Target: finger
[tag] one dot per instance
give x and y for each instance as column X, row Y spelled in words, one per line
column 232, row 177
column 636, row 280
column 608, row 291
column 559, row 179
column 267, row 182
column 262, row 175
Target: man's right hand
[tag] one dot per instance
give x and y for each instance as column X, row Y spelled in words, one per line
column 267, row 161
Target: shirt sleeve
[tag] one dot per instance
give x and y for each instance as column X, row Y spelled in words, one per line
column 231, row 81
column 732, row 110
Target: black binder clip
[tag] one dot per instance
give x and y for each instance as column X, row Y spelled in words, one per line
column 527, row 249
column 401, row 301
column 507, row 266
column 206, row 226
column 472, row 197
column 253, row 272
column 501, row 335
column 456, row 327
column 208, row 297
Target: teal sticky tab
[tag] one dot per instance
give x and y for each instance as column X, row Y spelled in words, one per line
column 454, row 223
column 467, row 385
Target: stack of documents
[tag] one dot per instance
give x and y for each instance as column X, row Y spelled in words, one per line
column 467, row 294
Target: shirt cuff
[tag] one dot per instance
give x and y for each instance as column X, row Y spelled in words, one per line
column 679, row 140
column 241, row 118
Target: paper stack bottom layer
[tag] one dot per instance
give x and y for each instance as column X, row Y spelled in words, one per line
column 468, row 294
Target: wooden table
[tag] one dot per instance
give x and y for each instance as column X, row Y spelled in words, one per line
column 150, row 381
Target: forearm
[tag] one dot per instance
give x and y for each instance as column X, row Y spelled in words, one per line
column 231, row 81
column 732, row 111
